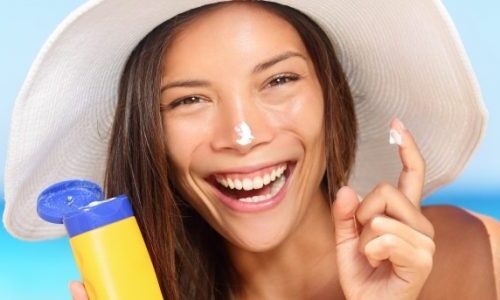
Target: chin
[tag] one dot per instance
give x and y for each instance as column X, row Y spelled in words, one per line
column 260, row 237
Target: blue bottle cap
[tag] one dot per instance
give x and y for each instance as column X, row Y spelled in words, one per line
column 79, row 206
column 65, row 198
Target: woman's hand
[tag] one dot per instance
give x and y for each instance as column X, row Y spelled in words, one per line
column 77, row 291
column 385, row 244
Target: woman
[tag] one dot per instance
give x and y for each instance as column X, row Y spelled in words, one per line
column 235, row 135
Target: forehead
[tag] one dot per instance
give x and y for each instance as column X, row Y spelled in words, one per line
column 235, row 32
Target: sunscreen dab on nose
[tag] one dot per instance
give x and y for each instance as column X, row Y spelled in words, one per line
column 395, row 137
column 244, row 132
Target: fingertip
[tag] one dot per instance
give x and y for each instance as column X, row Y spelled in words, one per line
column 77, row 290
column 404, row 134
column 397, row 124
column 397, row 133
column 345, row 189
column 344, row 203
column 71, row 285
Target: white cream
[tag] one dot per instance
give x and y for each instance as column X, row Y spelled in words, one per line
column 395, row 137
column 244, row 132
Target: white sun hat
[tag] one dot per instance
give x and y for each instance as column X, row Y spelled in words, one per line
column 402, row 58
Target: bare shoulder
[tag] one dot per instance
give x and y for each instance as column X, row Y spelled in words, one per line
column 464, row 262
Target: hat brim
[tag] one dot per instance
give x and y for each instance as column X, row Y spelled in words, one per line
column 401, row 58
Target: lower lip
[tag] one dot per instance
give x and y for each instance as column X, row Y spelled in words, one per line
column 252, row 207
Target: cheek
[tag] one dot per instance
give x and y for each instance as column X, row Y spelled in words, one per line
column 310, row 117
column 182, row 137
column 303, row 114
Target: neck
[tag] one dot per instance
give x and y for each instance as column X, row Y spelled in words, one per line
column 303, row 266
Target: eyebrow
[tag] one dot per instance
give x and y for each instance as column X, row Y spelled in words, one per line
column 258, row 68
column 274, row 60
column 185, row 83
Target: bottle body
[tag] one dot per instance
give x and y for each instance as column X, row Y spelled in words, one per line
column 114, row 262
column 106, row 240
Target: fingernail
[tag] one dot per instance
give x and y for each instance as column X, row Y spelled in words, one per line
column 360, row 199
column 395, row 134
column 395, row 137
column 400, row 124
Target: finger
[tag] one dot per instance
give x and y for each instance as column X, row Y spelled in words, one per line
column 407, row 261
column 77, row 291
column 411, row 179
column 381, row 225
column 343, row 211
column 374, row 262
column 385, row 199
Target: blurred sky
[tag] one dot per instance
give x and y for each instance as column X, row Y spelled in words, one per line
column 24, row 26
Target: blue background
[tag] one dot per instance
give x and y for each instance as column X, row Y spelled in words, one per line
column 41, row 270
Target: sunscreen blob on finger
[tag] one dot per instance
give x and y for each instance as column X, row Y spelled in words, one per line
column 395, row 137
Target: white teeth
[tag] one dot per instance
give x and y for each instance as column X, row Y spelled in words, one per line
column 275, row 188
column 223, row 182
column 267, row 179
column 237, row 184
column 273, row 175
column 257, row 183
column 277, row 185
column 253, row 199
column 249, row 184
column 282, row 169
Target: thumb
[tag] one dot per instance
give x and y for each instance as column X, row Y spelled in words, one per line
column 343, row 210
column 77, row 291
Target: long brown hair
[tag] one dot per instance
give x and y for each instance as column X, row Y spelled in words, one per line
column 189, row 256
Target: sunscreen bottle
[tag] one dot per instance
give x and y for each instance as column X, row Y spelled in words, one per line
column 105, row 238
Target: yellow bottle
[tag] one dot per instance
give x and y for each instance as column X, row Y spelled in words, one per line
column 105, row 238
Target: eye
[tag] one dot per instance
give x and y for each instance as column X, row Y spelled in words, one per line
column 282, row 79
column 182, row 101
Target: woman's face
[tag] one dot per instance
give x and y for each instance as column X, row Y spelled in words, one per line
column 238, row 64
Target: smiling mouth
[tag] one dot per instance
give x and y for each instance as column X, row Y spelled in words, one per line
column 255, row 187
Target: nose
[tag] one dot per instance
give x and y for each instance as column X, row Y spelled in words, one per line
column 241, row 126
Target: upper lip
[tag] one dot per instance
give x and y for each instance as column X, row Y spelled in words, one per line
column 247, row 169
